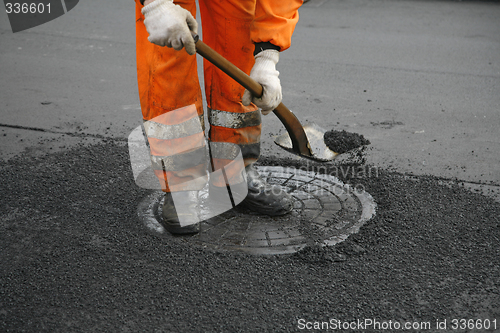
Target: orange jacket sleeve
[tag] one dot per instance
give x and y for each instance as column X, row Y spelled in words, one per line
column 275, row 22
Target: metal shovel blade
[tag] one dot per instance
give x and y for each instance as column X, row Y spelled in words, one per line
column 304, row 141
column 315, row 135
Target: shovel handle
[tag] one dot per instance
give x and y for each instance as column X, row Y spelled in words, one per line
column 293, row 126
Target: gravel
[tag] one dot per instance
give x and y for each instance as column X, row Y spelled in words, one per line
column 343, row 141
column 75, row 257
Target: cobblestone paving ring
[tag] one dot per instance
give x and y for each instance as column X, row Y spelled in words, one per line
column 326, row 211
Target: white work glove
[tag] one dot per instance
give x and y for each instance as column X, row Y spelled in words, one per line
column 264, row 72
column 170, row 25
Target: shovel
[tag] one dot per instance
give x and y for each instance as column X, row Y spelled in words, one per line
column 306, row 141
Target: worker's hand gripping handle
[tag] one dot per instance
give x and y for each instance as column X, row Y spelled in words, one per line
column 293, row 126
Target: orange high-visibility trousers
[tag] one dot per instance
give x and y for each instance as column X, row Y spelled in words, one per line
column 168, row 82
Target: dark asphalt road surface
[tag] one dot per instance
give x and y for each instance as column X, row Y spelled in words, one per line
column 75, row 258
column 419, row 79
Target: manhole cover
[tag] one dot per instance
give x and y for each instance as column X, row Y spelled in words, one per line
column 326, row 211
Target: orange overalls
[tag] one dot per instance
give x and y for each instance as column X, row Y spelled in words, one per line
column 170, row 94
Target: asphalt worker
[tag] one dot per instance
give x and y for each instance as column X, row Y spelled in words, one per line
column 250, row 34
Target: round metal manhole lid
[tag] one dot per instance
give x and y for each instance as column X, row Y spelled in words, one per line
column 326, row 211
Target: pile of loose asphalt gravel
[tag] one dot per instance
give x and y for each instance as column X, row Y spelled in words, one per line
column 75, row 257
column 343, row 141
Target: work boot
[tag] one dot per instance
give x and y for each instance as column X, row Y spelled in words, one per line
column 185, row 211
column 265, row 198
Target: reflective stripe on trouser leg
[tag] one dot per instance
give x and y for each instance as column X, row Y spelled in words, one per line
column 168, row 81
column 226, row 27
column 178, row 149
column 232, row 133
